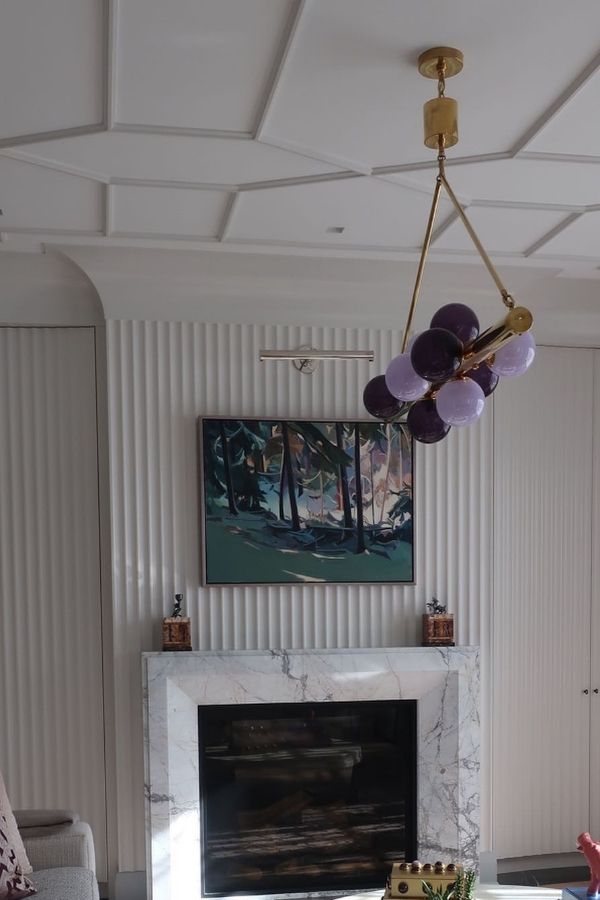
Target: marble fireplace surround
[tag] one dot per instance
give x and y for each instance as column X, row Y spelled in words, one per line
column 445, row 681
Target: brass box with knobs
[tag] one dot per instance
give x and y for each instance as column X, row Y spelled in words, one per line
column 406, row 879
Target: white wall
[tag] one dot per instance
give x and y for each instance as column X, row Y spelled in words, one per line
column 162, row 376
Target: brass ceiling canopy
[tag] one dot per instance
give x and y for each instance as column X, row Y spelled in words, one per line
column 448, row 58
column 440, row 115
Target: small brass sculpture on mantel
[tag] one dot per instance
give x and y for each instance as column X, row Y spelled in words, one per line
column 177, row 629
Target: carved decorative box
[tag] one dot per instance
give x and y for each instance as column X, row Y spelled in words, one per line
column 438, row 630
column 177, row 633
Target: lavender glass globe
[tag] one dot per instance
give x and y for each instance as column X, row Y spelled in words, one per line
column 402, row 381
column 485, row 378
column 459, row 319
column 424, row 423
column 515, row 357
column 378, row 400
column 460, row 402
column 436, row 354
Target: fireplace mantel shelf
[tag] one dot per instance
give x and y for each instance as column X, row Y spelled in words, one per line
column 444, row 681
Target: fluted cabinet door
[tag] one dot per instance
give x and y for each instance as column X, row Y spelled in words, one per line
column 51, row 702
column 543, row 430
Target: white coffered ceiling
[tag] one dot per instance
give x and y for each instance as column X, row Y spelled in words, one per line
column 253, row 124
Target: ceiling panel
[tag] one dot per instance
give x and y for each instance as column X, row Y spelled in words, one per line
column 51, row 65
column 31, row 197
column 518, row 181
column 371, row 213
column 163, row 157
column 500, row 229
column 167, row 211
column 580, row 238
column 200, row 65
column 359, row 59
column 576, row 128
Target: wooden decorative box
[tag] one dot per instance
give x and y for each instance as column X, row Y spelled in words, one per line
column 177, row 633
column 438, row 630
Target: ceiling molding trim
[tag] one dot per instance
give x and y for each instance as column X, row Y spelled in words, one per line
column 48, row 242
column 407, row 184
column 557, row 157
column 281, row 57
column 432, row 163
column 525, row 204
column 306, row 245
column 23, row 156
column 552, row 233
column 176, row 185
column 228, row 217
column 181, row 131
column 298, row 181
column 67, row 232
column 361, row 168
column 497, row 254
column 111, row 61
column 21, row 139
column 555, row 108
column 148, row 236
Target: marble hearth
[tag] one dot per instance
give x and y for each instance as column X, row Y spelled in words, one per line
column 444, row 681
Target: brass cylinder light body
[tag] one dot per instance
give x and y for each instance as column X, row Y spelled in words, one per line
column 440, row 119
column 516, row 322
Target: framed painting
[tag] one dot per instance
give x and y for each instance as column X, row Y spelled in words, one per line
column 301, row 502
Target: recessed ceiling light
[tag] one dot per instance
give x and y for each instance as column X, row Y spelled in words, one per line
column 336, row 229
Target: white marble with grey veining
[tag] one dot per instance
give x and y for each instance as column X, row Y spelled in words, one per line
column 445, row 681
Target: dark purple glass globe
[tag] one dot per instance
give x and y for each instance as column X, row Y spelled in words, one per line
column 485, row 378
column 378, row 400
column 424, row 423
column 459, row 319
column 436, row 354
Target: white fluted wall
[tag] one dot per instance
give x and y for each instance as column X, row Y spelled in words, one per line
column 51, row 701
column 542, row 605
column 162, row 376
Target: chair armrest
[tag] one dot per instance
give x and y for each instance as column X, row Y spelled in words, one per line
column 60, row 846
column 44, row 818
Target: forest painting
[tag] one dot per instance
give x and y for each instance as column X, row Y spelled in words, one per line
column 302, row 501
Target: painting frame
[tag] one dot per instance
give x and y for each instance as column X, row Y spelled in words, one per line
column 206, row 581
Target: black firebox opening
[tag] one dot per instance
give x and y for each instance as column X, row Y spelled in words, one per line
column 300, row 797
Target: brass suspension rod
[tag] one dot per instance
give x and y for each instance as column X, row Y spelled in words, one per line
column 506, row 297
column 426, row 243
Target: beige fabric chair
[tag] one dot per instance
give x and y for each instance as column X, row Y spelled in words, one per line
column 61, row 850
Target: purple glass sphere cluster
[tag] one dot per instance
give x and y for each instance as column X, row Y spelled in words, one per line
column 425, row 376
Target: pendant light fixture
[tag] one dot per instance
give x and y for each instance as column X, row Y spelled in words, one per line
column 443, row 375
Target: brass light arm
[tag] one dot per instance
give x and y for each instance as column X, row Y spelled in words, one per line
column 506, row 297
column 426, row 244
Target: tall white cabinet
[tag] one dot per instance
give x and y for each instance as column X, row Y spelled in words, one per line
column 546, row 609
column 52, row 742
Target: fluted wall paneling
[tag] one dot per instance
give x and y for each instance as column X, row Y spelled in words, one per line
column 543, row 447
column 162, row 376
column 51, row 701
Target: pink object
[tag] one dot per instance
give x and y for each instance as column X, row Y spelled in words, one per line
column 591, row 851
